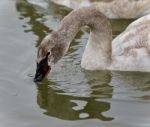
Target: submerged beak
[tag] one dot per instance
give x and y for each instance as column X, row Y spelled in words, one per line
column 42, row 70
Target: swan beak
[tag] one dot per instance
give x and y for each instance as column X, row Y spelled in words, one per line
column 42, row 71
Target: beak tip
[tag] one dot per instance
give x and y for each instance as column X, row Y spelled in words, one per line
column 37, row 79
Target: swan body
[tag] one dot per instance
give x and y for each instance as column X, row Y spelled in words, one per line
column 113, row 8
column 73, row 4
column 130, row 51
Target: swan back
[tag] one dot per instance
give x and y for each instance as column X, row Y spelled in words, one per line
column 74, row 4
column 131, row 49
column 124, row 8
column 112, row 8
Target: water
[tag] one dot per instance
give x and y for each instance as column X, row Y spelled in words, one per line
column 70, row 96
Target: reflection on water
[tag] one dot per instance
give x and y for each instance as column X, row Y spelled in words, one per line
column 70, row 108
column 90, row 99
column 34, row 19
column 135, row 85
column 71, row 93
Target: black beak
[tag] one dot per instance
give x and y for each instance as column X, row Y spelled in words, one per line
column 42, row 70
column 39, row 76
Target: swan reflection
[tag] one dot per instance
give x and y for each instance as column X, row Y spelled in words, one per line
column 70, row 107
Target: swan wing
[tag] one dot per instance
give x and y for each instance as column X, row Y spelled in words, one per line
column 131, row 49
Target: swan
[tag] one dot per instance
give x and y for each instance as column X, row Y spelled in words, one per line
column 130, row 51
column 73, row 4
column 113, row 9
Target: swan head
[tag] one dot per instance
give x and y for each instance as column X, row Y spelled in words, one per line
column 50, row 50
column 44, row 59
column 42, row 68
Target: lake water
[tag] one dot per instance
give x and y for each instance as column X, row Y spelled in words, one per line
column 71, row 96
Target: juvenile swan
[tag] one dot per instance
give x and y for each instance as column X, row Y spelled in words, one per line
column 114, row 9
column 130, row 51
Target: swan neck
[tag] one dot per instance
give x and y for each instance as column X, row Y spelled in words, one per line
column 100, row 35
column 88, row 16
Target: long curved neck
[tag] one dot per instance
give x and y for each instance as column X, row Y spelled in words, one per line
column 98, row 50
